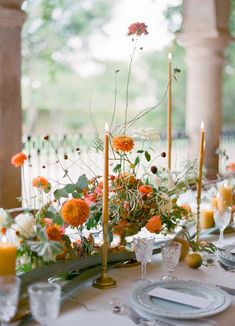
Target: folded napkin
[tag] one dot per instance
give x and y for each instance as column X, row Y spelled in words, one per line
column 179, row 297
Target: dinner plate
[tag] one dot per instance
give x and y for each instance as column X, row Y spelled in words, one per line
column 226, row 255
column 142, row 302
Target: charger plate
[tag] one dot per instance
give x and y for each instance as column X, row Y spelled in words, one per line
column 226, row 256
column 153, row 307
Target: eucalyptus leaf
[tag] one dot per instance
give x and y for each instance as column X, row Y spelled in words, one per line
column 70, row 187
column 82, row 182
column 117, row 168
column 61, row 193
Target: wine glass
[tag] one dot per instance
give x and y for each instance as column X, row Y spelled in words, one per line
column 9, row 295
column 44, row 299
column 143, row 247
column 170, row 255
column 222, row 219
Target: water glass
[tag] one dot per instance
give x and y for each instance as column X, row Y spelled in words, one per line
column 9, row 295
column 170, row 255
column 44, row 299
column 222, row 220
column 143, row 247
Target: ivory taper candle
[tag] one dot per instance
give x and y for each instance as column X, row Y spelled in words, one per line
column 169, row 111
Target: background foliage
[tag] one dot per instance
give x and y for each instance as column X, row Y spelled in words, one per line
column 56, row 44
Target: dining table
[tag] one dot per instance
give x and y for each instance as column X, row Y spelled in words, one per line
column 91, row 306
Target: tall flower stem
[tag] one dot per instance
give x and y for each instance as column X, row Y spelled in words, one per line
column 24, row 184
column 115, row 99
column 128, row 83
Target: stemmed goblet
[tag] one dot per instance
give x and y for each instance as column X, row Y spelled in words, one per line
column 44, row 299
column 222, row 219
column 170, row 255
column 9, row 295
column 143, row 247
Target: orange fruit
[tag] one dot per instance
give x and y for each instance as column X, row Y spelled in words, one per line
column 193, row 260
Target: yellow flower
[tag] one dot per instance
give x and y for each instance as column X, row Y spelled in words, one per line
column 75, row 211
column 123, row 143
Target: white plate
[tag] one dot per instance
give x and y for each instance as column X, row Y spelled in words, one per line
column 146, row 304
column 226, row 255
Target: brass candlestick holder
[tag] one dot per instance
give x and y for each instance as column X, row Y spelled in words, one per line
column 104, row 281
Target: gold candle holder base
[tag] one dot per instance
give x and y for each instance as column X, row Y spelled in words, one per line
column 104, row 282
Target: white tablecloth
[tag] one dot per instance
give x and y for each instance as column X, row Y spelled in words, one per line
column 92, row 306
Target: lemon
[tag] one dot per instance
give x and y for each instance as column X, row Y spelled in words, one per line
column 193, row 260
column 185, row 247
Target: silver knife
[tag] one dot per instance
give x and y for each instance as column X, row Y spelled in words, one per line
column 230, row 291
column 138, row 320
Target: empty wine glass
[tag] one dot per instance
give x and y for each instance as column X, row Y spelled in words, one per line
column 9, row 295
column 170, row 255
column 44, row 299
column 222, row 219
column 143, row 247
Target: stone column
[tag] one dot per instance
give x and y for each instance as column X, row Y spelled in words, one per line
column 11, row 21
column 205, row 36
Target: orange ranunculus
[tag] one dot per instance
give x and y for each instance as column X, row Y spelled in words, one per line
column 145, row 189
column 231, row 167
column 40, row 182
column 54, row 232
column 137, row 29
column 18, row 159
column 154, row 224
column 75, row 211
column 123, row 143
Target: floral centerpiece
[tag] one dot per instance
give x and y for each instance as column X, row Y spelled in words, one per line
column 140, row 195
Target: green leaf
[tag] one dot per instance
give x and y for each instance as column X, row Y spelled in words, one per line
column 48, row 250
column 147, row 156
column 47, row 189
column 76, row 194
column 70, row 187
column 137, row 160
column 140, row 151
column 82, row 182
column 117, row 168
column 61, row 193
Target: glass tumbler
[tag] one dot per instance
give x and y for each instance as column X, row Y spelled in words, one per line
column 44, row 299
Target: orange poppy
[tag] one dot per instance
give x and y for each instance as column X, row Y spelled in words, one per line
column 18, row 159
column 75, row 211
column 40, row 182
column 154, row 224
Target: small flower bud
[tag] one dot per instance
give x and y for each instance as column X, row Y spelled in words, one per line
column 163, row 154
column 154, row 169
column 46, row 137
column 65, row 156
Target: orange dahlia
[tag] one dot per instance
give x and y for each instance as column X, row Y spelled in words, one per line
column 154, row 224
column 54, row 232
column 40, row 182
column 75, row 211
column 123, row 143
column 145, row 189
column 18, row 159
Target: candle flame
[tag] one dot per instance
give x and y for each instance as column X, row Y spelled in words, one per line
column 169, row 56
column 202, row 125
column 106, row 127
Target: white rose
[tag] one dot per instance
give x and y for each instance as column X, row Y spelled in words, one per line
column 24, row 224
column 3, row 216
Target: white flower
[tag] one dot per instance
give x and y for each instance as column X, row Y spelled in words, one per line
column 12, row 237
column 3, row 216
column 166, row 207
column 24, row 224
